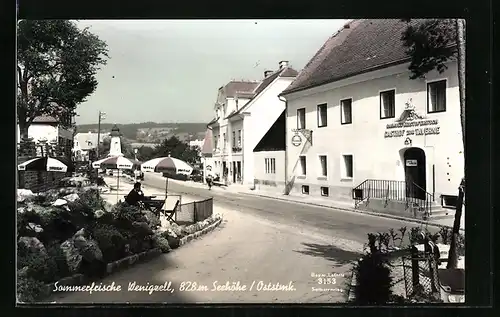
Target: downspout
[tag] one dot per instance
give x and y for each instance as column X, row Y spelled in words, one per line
column 286, row 145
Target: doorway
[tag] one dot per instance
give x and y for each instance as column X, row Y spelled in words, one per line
column 415, row 173
column 224, row 171
column 234, row 172
column 238, row 169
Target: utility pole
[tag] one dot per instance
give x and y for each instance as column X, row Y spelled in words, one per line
column 102, row 116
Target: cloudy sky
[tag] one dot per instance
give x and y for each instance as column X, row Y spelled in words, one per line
column 169, row 71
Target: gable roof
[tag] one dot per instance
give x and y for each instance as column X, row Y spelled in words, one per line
column 45, row 119
column 361, row 46
column 275, row 137
column 233, row 87
column 284, row 72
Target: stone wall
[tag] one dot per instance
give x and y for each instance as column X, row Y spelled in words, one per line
column 37, row 181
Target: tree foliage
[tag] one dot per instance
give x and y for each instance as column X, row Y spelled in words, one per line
column 173, row 147
column 430, row 44
column 56, row 67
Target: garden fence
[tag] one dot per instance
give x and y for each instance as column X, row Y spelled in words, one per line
column 195, row 211
column 421, row 276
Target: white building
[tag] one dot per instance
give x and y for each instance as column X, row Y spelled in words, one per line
column 83, row 143
column 369, row 124
column 196, row 143
column 50, row 129
column 244, row 112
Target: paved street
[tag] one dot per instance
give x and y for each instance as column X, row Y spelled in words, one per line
column 260, row 240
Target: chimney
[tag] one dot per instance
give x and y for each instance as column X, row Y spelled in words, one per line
column 283, row 64
column 267, row 73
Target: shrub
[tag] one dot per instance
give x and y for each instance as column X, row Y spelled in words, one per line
column 373, row 280
column 110, row 241
column 40, row 266
column 161, row 243
column 29, row 289
column 92, row 198
column 55, row 252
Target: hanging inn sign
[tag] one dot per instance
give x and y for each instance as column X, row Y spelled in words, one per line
column 411, row 123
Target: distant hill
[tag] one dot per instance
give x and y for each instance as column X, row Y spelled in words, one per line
column 152, row 132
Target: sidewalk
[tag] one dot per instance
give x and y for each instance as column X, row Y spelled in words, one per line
column 346, row 205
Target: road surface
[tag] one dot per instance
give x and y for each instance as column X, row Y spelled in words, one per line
column 273, row 251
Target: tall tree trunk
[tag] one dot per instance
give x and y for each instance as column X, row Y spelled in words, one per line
column 452, row 256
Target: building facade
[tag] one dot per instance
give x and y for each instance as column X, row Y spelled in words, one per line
column 83, row 143
column 372, row 125
column 51, row 130
column 243, row 120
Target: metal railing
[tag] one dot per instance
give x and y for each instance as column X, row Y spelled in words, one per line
column 415, row 197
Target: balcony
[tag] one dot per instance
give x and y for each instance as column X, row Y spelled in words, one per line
column 236, row 149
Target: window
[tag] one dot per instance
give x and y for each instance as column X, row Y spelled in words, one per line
column 301, row 118
column 346, row 111
column 305, row 189
column 215, row 142
column 348, row 168
column 324, row 191
column 302, row 160
column 270, row 165
column 239, row 138
column 322, row 117
column 387, row 104
column 224, row 140
column 436, row 96
column 234, row 138
column 323, row 165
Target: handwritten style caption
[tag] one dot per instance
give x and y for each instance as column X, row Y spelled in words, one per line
column 187, row 286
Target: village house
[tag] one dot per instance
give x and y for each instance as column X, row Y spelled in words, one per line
column 355, row 120
column 245, row 114
column 51, row 130
column 84, row 143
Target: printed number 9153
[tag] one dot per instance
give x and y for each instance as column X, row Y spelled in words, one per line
column 327, row 281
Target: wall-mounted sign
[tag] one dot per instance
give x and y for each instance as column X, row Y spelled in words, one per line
column 411, row 163
column 296, row 140
column 408, row 142
column 209, row 167
column 416, row 123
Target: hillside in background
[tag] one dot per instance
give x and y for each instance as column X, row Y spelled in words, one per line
column 152, row 132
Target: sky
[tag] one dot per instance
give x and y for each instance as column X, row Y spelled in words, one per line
column 171, row 70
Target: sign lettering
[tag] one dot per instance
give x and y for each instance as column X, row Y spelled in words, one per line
column 411, row 163
column 395, row 130
column 296, row 140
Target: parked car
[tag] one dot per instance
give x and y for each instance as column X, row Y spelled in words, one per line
column 197, row 176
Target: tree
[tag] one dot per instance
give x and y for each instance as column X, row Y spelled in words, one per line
column 178, row 149
column 431, row 44
column 145, row 153
column 56, row 67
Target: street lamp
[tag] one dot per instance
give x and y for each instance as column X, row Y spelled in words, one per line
column 102, row 116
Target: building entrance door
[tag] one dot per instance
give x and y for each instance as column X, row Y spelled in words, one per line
column 234, row 172
column 415, row 173
column 238, row 169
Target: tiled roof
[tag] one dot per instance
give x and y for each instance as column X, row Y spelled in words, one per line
column 45, row 119
column 365, row 45
column 233, row 87
column 86, row 141
column 284, row 72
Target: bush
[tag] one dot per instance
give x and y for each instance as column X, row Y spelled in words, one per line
column 373, row 280
column 29, row 289
column 110, row 241
column 161, row 243
column 40, row 266
column 55, row 252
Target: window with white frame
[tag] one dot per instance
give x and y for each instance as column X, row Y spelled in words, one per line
column 322, row 115
column 436, row 96
column 234, row 139
column 239, row 138
column 347, row 171
column 270, row 164
column 387, row 104
column 346, row 111
column 301, row 118
column 323, row 165
column 302, row 164
column 216, row 143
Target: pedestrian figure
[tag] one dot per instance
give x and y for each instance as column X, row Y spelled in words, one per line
column 209, row 180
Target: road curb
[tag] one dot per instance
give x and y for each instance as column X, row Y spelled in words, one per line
column 201, row 232
column 377, row 214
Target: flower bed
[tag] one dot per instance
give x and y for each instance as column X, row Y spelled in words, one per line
column 69, row 231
